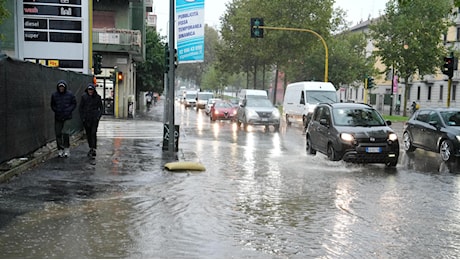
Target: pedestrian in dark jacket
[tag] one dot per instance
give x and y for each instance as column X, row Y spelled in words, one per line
column 63, row 103
column 90, row 113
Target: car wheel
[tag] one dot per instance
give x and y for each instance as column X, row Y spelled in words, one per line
column 391, row 163
column 310, row 149
column 407, row 143
column 287, row 120
column 332, row 153
column 277, row 127
column 212, row 119
column 446, row 151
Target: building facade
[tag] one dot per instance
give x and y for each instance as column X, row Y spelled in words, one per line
column 68, row 33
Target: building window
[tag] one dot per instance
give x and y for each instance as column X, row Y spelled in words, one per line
column 356, row 96
column 429, row 93
column 454, row 92
column 418, row 93
column 441, row 88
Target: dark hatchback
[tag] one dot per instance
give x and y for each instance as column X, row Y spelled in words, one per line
column 352, row 132
column 434, row 129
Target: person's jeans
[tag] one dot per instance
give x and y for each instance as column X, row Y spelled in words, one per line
column 61, row 128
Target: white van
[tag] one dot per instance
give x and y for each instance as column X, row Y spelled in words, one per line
column 252, row 94
column 202, row 99
column 189, row 98
column 301, row 98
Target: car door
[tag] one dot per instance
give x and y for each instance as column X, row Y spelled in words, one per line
column 314, row 128
column 322, row 128
column 417, row 126
column 430, row 134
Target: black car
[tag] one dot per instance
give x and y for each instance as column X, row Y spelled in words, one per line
column 434, row 129
column 352, row 132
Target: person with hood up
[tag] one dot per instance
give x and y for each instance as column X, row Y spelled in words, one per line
column 63, row 103
column 90, row 113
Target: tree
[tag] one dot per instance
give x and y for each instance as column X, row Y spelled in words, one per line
column 3, row 11
column 408, row 38
column 150, row 73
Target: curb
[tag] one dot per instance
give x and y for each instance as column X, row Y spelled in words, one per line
column 37, row 159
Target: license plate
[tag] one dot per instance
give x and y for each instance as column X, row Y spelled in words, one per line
column 374, row 149
column 264, row 119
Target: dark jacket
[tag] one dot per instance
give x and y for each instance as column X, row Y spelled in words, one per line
column 63, row 103
column 90, row 106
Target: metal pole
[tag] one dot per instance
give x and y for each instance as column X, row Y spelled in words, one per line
column 171, row 143
column 392, row 86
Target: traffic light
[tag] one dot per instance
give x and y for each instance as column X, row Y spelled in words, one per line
column 448, row 67
column 256, row 31
column 166, row 58
column 97, row 63
column 113, row 76
column 120, row 76
column 370, row 82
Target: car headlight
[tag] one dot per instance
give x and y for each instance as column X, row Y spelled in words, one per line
column 458, row 138
column 347, row 137
column 252, row 113
column 392, row 137
column 276, row 113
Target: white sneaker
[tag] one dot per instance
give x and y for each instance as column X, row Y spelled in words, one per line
column 61, row 153
column 66, row 152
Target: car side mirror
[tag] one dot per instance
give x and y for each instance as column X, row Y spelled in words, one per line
column 323, row 121
column 388, row 122
column 434, row 123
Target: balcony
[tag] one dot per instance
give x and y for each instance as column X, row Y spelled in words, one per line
column 118, row 40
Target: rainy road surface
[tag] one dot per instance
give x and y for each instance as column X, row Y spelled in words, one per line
column 261, row 196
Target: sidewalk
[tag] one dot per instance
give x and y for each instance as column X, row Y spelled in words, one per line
column 127, row 133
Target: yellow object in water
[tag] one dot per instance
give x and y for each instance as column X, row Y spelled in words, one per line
column 180, row 166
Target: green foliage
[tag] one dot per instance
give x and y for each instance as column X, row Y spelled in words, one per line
column 3, row 11
column 408, row 37
column 150, row 73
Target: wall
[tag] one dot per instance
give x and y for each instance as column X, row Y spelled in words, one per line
column 25, row 96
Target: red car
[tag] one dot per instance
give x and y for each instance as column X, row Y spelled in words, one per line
column 222, row 110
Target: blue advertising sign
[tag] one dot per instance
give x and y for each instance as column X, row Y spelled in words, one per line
column 190, row 30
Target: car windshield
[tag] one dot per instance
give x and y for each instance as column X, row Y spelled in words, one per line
column 190, row 96
column 258, row 103
column 357, row 117
column 314, row 97
column 222, row 105
column 205, row 96
column 451, row 118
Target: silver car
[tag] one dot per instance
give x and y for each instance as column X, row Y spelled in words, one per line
column 258, row 112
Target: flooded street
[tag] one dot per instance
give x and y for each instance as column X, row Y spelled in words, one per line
column 261, row 196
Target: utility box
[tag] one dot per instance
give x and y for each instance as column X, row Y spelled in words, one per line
column 166, row 137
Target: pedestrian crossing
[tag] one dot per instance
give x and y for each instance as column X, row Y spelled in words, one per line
column 135, row 129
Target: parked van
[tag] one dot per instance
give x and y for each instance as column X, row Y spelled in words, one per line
column 301, row 98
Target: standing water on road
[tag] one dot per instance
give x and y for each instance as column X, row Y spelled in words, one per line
column 261, row 196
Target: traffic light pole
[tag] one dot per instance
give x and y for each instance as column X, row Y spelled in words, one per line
column 326, row 60
column 449, row 87
column 365, row 89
